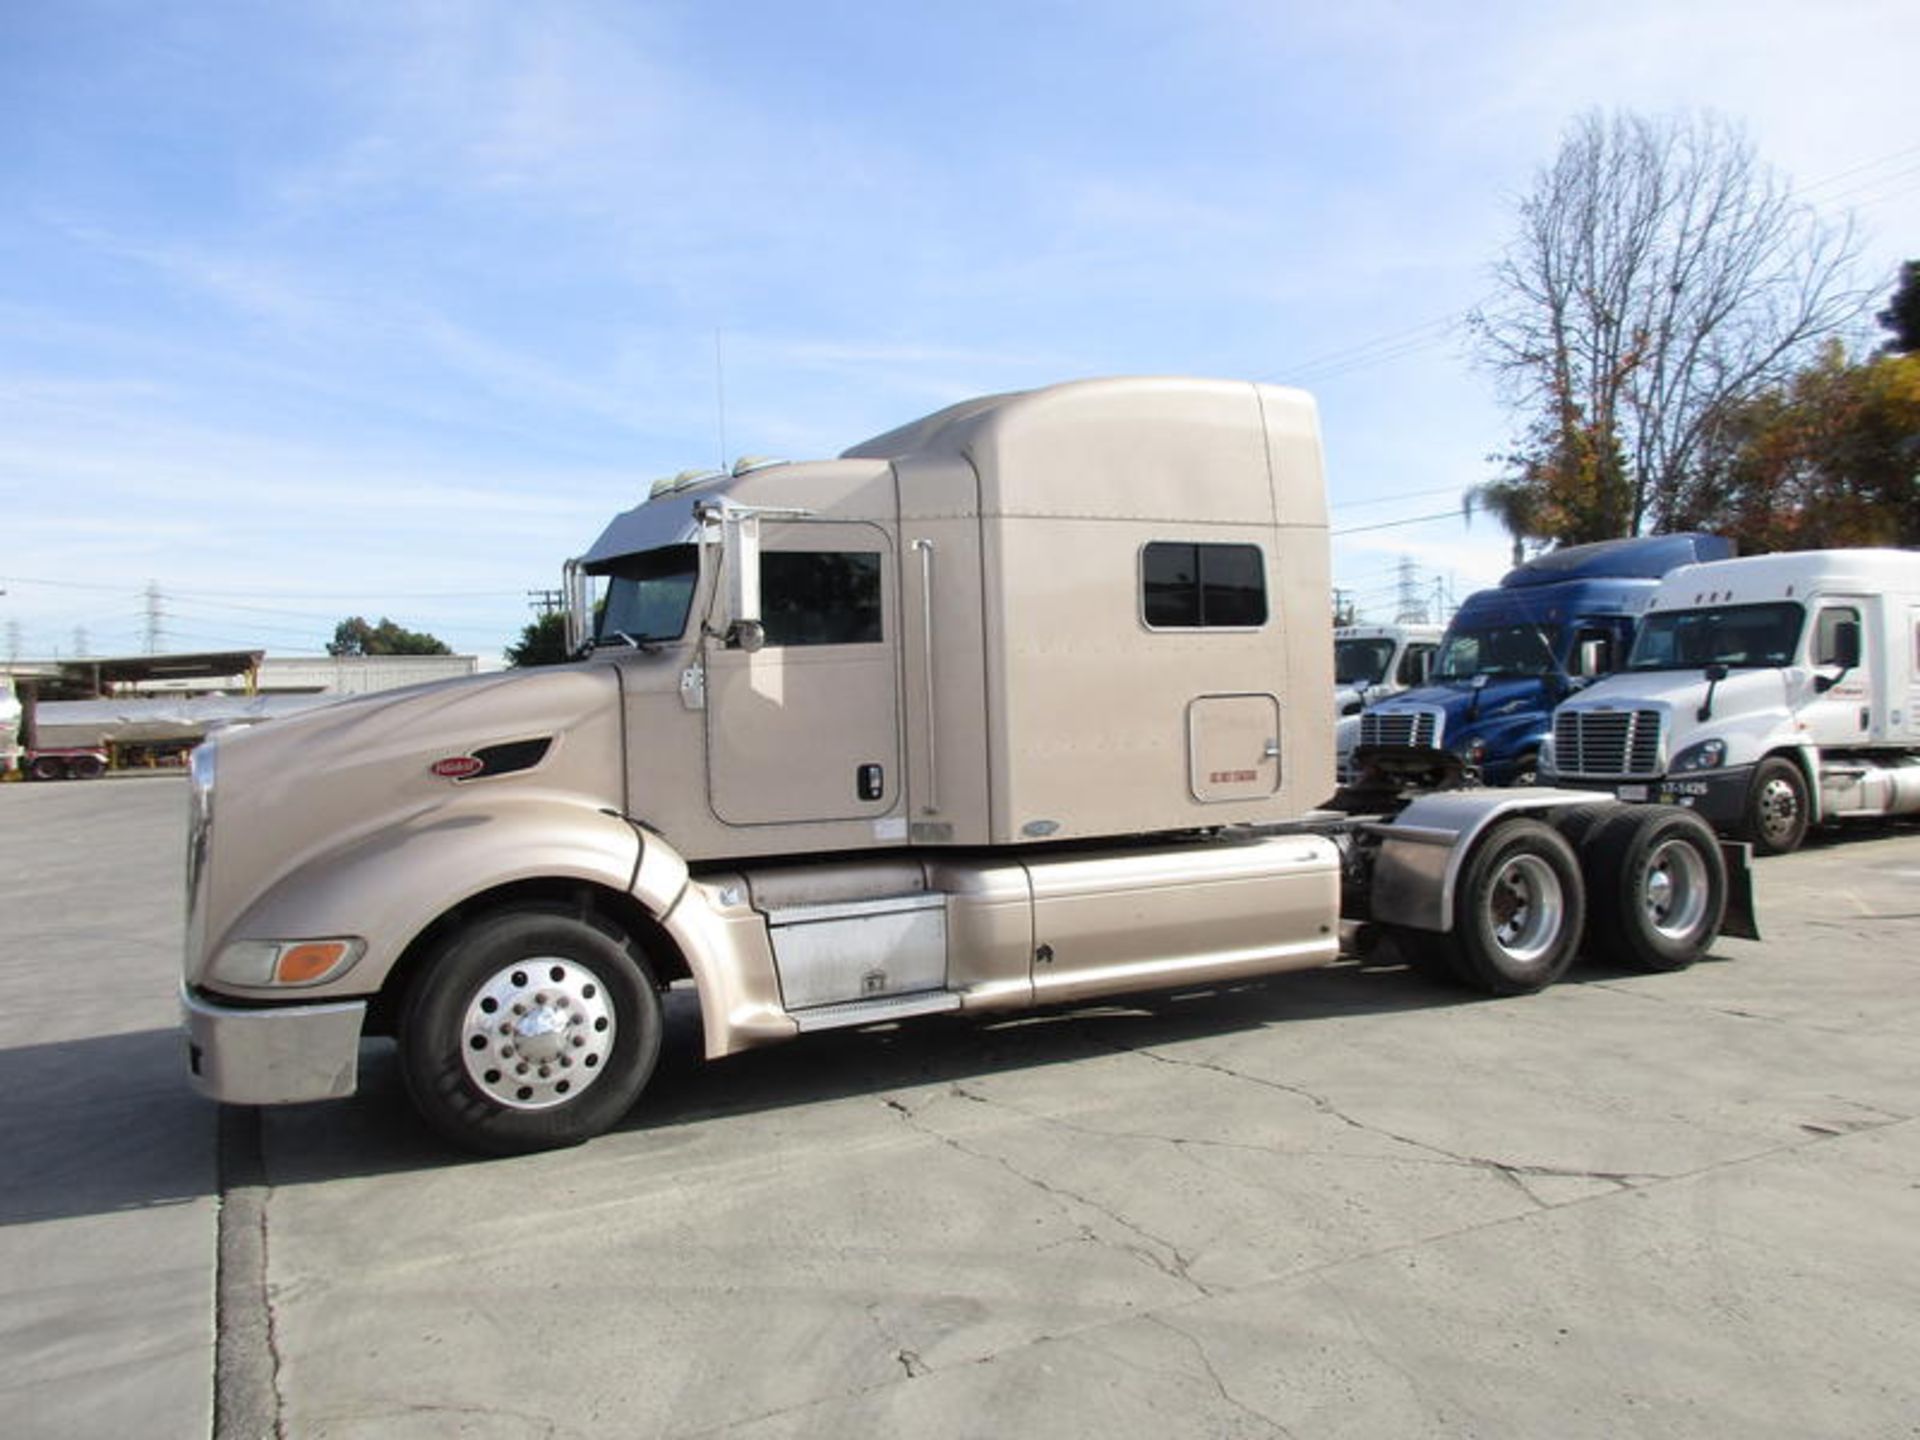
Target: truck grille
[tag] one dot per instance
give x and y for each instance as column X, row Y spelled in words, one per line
column 1413, row 727
column 1614, row 744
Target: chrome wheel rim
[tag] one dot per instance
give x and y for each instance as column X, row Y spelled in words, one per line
column 1779, row 808
column 1674, row 890
column 1525, row 908
column 537, row 1033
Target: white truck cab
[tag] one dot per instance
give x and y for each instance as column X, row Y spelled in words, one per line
column 1372, row 662
column 1767, row 693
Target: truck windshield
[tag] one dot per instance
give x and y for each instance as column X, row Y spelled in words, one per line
column 1495, row 650
column 1731, row 635
column 1361, row 662
column 648, row 596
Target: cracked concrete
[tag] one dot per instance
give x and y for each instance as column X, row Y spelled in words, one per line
column 1337, row 1204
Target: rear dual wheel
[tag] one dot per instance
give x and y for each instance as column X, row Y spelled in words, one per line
column 1658, row 884
column 1518, row 910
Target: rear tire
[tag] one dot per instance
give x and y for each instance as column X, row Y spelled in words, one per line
column 1777, row 814
column 46, row 767
column 529, row 1029
column 86, row 767
column 1518, row 911
column 1657, row 888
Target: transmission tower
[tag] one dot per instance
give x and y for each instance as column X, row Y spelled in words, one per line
column 79, row 642
column 13, row 642
column 155, row 618
column 1413, row 604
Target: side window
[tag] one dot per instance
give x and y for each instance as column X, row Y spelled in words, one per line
column 1186, row 587
column 820, row 597
column 1415, row 664
column 1826, row 638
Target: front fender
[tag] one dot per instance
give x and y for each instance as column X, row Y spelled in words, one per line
column 389, row 885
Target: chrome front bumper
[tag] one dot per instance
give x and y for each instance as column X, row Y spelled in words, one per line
column 272, row 1057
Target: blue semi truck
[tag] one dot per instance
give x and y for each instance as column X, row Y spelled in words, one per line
column 1511, row 655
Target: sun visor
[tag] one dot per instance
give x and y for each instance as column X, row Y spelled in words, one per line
column 668, row 520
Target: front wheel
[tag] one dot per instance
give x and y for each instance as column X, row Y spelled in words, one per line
column 1657, row 887
column 1777, row 812
column 1518, row 910
column 528, row 1030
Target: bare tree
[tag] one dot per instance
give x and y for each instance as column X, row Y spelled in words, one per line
column 1660, row 272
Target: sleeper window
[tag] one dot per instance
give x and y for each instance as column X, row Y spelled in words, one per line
column 1187, row 587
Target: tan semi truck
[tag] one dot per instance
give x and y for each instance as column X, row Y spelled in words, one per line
column 1022, row 704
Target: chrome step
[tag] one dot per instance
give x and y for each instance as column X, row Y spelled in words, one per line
column 876, row 1011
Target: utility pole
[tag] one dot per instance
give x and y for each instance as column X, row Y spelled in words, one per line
column 546, row 602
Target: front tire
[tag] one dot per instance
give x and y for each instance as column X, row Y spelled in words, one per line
column 1518, row 910
column 1777, row 812
column 1657, row 884
column 529, row 1029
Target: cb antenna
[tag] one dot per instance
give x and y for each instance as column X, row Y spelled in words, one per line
column 720, row 396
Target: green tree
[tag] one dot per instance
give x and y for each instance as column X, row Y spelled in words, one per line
column 1659, row 273
column 1830, row 458
column 1567, row 484
column 542, row 642
column 354, row 636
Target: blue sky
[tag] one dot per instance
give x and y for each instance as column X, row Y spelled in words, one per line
column 327, row 308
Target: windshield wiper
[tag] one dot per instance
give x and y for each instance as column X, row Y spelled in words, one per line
column 645, row 644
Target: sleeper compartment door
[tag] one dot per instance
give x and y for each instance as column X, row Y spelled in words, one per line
column 807, row 728
column 1233, row 747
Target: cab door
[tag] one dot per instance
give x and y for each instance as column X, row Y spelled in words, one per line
column 807, row 727
column 1841, row 714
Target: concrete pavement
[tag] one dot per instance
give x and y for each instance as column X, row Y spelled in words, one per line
column 1346, row 1203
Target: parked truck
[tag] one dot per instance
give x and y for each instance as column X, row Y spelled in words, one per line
column 21, row 751
column 1021, row 704
column 1372, row 663
column 1512, row 653
column 1768, row 693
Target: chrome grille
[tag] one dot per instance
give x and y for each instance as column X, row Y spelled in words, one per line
column 1417, row 726
column 1614, row 744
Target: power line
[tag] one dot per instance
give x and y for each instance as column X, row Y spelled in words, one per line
column 1453, row 514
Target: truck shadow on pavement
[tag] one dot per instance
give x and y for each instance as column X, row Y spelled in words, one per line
column 376, row 1131
column 107, row 1124
column 99, row 1125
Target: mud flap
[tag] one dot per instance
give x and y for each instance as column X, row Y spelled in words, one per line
column 1740, row 921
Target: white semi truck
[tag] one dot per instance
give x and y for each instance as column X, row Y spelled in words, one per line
column 1021, row 704
column 1768, row 693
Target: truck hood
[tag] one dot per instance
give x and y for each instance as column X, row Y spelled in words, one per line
column 1500, row 700
column 1682, row 692
column 290, row 791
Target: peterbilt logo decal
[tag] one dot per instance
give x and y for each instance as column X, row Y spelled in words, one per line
column 458, row 767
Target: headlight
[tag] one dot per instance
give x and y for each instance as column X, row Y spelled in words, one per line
column 1707, row 755
column 265, row 964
